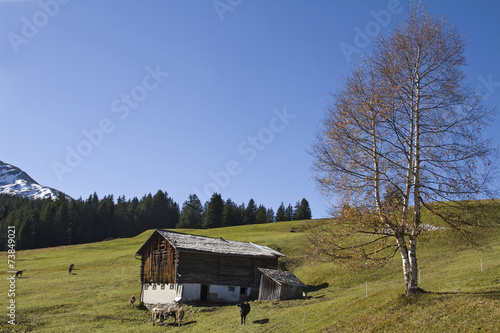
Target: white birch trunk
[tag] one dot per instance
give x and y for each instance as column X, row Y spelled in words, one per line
column 406, row 263
column 413, row 283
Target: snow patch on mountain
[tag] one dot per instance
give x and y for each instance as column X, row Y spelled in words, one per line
column 14, row 181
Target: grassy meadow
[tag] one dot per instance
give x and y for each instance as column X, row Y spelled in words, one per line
column 460, row 297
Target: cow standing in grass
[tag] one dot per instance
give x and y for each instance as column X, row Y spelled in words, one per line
column 179, row 314
column 132, row 301
column 159, row 315
column 244, row 310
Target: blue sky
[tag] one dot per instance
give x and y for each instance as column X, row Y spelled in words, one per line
column 128, row 97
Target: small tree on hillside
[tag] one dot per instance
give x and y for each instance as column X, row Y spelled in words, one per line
column 404, row 132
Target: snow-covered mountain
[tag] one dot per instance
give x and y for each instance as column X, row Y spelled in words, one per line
column 15, row 181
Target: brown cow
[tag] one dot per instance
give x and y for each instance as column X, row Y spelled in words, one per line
column 132, row 301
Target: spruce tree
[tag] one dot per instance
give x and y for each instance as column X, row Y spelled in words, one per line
column 270, row 215
column 230, row 215
column 289, row 213
column 250, row 213
column 302, row 211
column 192, row 213
column 261, row 215
column 280, row 214
column 213, row 214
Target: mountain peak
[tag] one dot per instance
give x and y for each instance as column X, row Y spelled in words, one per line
column 10, row 173
column 14, row 181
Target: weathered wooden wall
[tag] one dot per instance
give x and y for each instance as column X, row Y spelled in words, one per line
column 158, row 261
column 269, row 289
column 291, row 292
column 221, row 269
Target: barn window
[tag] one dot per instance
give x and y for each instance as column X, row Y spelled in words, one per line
column 231, row 289
column 243, row 291
column 154, row 286
column 163, row 286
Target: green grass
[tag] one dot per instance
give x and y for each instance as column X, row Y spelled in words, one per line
column 460, row 297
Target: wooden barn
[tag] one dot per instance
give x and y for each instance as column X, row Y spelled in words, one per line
column 199, row 268
column 282, row 285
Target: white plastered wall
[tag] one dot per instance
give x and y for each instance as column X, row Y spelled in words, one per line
column 153, row 293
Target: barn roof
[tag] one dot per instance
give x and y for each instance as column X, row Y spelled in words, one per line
column 283, row 277
column 210, row 245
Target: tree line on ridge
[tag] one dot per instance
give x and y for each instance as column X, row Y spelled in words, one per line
column 46, row 223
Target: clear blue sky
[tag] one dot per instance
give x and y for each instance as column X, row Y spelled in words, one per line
column 128, row 97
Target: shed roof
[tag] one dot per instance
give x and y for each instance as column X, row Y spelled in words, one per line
column 283, row 277
column 211, row 245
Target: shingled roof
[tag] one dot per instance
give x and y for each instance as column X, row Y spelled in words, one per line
column 192, row 243
column 283, row 277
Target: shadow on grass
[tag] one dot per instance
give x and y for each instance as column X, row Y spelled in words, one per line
column 182, row 324
column 318, row 287
column 423, row 296
column 494, row 295
column 261, row 321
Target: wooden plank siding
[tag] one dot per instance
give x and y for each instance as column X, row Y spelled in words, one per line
column 269, row 289
column 221, row 270
column 281, row 285
column 158, row 261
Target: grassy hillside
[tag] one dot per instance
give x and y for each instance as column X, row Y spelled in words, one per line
column 460, row 296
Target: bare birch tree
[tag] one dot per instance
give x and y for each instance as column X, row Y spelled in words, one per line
column 403, row 132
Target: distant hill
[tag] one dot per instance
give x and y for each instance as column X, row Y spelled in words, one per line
column 14, row 181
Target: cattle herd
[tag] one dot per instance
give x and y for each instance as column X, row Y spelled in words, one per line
column 160, row 316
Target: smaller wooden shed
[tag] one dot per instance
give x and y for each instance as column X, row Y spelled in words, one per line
column 282, row 285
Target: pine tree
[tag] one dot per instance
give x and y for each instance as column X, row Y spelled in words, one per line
column 270, row 215
column 302, row 211
column 280, row 214
column 191, row 215
column 250, row 213
column 289, row 213
column 261, row 215
column 213, row 214
column 231, row 214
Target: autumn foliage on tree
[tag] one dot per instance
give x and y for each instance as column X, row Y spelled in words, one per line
column 402, row 134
